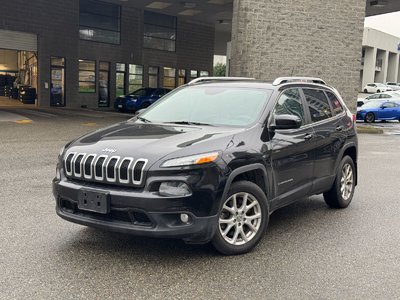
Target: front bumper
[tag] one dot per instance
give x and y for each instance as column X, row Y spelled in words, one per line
column 136, row 212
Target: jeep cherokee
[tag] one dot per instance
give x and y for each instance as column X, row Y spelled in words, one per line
column 211, row 161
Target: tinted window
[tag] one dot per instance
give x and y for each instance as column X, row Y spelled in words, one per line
column 99, row 21
column 289, row 103
column 318, row 104
column 389, row 105
column 373, row 97
column 335, row 103
column 159, row 31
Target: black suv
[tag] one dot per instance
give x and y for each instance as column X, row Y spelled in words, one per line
column 211, row 161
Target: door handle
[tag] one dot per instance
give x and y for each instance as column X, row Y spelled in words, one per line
column 339, row 128
column 308, row 136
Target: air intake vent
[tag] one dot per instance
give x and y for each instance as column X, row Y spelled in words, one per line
column 111, row 169
column 78, row 166
column 138, row 171
column 68, row 163
column 98, row 173
column 88, row 166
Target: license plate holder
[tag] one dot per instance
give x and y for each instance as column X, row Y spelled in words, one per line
column 94, row 201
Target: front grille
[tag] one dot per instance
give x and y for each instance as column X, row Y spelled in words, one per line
column 102, row 168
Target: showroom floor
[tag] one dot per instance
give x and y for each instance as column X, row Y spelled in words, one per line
column 5, row 101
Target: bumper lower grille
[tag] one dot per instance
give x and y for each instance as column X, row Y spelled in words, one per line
column 102, row 168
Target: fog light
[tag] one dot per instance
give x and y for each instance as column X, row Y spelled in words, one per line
column 184, row 218
column 174, row 188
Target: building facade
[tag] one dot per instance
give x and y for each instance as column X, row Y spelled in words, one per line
column 90, row 51
column 380, row 58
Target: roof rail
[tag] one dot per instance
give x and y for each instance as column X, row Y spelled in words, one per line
column 281, row 80
column 202, row 79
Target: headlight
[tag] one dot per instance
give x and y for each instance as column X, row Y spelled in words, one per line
column 198, row 159
column 174, row 188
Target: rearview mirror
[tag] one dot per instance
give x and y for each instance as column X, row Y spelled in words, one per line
column 286, row 122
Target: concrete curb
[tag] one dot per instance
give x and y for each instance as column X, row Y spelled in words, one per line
column 369, row 130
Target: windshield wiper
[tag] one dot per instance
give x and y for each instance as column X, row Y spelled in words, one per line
column 143, row 120
column 189, row 123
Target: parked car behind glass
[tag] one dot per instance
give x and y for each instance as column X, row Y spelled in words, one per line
column 139, row 99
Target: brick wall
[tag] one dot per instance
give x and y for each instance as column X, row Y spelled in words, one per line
column 301, row 38
column 56, row 23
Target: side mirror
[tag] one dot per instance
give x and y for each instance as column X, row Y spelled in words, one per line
column 286, row 122
column 382, row 107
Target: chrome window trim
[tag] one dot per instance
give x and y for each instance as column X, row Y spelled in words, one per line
column 102, row 167
column 142, row 172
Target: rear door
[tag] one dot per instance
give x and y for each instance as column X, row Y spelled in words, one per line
column 326, row 115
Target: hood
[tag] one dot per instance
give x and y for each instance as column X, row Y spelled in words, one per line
column 154, row 141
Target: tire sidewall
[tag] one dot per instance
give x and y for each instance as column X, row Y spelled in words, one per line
column 366, row 117
column 218, row 241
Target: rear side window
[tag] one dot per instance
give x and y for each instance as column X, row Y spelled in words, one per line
column 317, row 104
column 385, row 96
column 335, row 103
column 289, row 103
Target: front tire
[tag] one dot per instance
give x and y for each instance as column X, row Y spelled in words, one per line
column 243, row 219
column 369, row 117
column 378, row 91
column 365, row 91
column 342, row 191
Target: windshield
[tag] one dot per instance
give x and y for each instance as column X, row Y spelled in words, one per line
column 230, row 106
column 142, row 92
column 372, row 104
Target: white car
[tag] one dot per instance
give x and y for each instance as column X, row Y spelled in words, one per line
column 393, row 85
column 386, row 96
column 376, row 88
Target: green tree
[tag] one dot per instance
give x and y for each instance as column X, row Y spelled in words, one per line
column 219, row 69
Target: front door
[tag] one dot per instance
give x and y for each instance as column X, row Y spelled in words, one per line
column 292, row 150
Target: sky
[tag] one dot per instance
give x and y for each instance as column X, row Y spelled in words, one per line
column 389, row 23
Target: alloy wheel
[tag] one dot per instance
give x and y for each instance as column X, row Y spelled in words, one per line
column 240, row 218
column 347, row 181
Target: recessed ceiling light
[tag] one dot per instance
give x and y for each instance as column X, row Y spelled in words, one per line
column 158, row 5
column 189, row 12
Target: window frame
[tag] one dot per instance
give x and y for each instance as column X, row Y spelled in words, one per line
column 87, row 70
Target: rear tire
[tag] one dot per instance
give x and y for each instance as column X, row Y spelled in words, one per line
column 242, row 219
column 365, row 91
column 378, row 91
column 342, row 191
column 369, row 117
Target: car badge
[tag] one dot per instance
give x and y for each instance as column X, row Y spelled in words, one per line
column 109, row 150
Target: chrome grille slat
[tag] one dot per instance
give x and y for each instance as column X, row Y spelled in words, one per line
column 130, row 161
column 113, row 160
column 138, row 179
column 104, row 168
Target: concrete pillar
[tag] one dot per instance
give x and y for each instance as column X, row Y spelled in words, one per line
column 381, row 76
column 369, row 66
column 299, row 38
column 393, row 67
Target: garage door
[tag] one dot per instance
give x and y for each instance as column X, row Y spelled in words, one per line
column 15, row 40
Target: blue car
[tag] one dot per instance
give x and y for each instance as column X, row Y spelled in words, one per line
column 376, row 110
column 139, row 99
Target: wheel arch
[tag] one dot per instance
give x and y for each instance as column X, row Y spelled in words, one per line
column 255, row 173
column 349, row 150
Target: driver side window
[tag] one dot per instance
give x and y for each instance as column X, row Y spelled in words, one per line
column 290, row 103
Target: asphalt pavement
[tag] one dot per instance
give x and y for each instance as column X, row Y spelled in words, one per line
column 308, row 252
